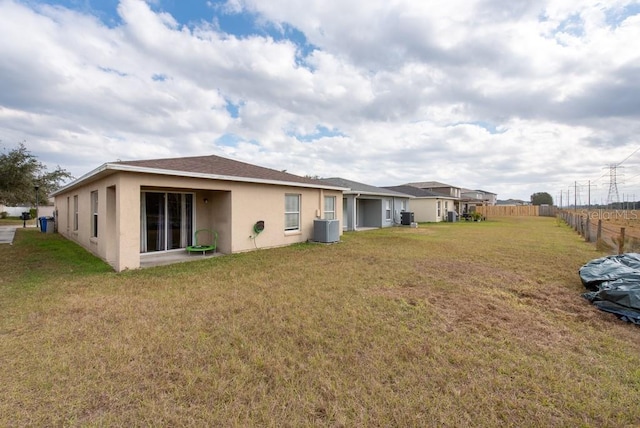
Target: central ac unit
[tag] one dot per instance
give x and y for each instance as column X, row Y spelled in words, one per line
column 326, row 230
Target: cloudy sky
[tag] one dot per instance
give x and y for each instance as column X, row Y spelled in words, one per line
column 514, row 97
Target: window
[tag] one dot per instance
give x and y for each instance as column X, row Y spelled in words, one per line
column 387, row 209
column 403, row 205
column 94, row 214
column 68, row 213
column 446, row 206
column 439, row 209
column 329, row 207
column 291, row 212
column 75, row 212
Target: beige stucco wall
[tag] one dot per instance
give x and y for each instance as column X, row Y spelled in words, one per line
column 118, row 240
column 426, row 210
column 231, row 209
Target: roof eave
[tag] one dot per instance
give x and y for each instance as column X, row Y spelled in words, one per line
column 159, row 171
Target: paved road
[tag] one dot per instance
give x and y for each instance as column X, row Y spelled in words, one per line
column 7, row 233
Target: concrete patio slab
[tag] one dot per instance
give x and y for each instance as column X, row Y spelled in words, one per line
column 7, row 233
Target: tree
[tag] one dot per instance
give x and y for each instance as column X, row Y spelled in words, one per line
column 21, row 172
column 541, row 198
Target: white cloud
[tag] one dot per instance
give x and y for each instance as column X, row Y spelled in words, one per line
column 505, row 96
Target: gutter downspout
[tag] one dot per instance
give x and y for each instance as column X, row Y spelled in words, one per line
column 355, row 210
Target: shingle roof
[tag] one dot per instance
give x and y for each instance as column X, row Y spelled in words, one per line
column 416, row 191
column 216, row 165
column 429, row 184
column 357, row 187
column 487, row 192
column 207, row 167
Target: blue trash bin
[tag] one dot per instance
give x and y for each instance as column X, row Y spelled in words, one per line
column 43, row 223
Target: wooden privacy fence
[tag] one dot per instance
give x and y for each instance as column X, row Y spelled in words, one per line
column 611, row 231
column 516, row 210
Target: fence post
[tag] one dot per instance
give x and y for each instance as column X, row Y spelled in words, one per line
column 587, row 234
column 599, row 232
column 621, row 241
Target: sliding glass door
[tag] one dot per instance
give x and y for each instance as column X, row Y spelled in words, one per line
column 166, row 221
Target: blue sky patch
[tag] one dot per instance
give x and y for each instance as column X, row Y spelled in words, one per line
column 229, row 140
column 615, row 17
column 320, row 132
column 573, row 25
column 105, row 10
column 488, row 126
column 113, row 71
column 233, row 109
column 158, row 77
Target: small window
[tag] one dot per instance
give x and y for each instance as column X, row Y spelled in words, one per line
column 75, row 212
column 439, row 209
column 387, row 214
column 291, row 212
column 403, row 205
column 329, row 207
column 94, row 214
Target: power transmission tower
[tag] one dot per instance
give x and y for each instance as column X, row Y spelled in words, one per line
column 613, row 197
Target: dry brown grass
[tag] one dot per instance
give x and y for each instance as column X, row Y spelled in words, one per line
column 468, row 324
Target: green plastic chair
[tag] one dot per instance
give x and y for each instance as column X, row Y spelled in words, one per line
column 203, row 248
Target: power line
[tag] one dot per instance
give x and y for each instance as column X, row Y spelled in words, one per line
column 627, row 158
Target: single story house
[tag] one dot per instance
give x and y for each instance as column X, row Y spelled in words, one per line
column 125, row 211
column 427, row 206
column 366, row 206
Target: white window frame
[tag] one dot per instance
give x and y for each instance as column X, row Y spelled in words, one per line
column 329, row 207
column 294, row 213
column 94, row 214
column 439, row 212
column 387, row 209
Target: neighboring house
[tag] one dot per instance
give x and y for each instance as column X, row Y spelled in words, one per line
column 43, row 210
column 512, row 202
column 481, row 196
column 466, row 199
column 126, row 211
column 488, row 197
column 427, row 206
column 437, row 187
column 366, row 206
column 470, row 199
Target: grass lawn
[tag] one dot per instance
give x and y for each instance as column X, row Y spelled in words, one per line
column 464, row 324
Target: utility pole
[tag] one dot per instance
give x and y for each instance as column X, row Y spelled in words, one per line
column 560, row 198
